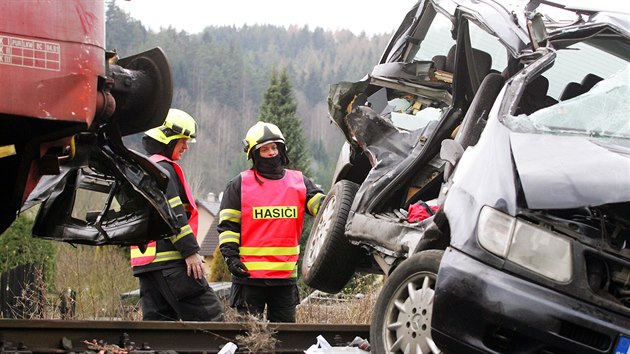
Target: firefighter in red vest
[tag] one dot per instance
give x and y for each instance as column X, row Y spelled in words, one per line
column 260, row 223
column 172, row 280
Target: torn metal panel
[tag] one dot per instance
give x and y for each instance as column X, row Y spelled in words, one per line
column 392, row 237
column 386, row 144
column 484, row 176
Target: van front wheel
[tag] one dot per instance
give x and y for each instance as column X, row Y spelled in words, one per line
column 401, row 322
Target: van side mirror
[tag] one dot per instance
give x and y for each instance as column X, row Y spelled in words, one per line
column 451, row 151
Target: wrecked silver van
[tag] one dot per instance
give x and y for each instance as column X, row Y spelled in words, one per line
column 521, row 142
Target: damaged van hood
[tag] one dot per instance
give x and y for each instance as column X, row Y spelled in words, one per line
column 561, row 172
column 577, row 152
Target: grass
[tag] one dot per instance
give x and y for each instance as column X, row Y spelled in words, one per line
column 98, row 276
column 338, row 308
column 89, row 282
column 259, row 336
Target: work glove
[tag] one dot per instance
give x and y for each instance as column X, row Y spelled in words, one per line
column 236, row 267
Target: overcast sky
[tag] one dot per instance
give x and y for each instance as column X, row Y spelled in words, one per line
column 371, row 16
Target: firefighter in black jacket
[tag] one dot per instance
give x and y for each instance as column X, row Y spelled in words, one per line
column 172, row 280
column 260, row 223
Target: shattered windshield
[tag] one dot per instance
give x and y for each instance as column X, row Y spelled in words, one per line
column 601, row 113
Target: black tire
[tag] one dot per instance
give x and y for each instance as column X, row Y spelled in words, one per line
column 401, row 321
column 329, row 259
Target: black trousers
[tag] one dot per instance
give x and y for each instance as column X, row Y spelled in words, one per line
column 171, row 295
column 280, row 301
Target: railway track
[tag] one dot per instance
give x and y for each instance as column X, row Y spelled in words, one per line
column 147, row 337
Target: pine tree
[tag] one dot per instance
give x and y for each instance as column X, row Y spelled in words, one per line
column 279, row 107
column 124, row 33
column 19, row 247
column 218, row 269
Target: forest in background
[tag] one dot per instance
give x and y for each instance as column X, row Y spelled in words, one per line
column 221, row 73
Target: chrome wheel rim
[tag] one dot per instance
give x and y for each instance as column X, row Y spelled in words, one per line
column 408, row 324
column 322, row 230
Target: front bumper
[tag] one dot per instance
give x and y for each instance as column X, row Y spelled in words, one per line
column 480, row 309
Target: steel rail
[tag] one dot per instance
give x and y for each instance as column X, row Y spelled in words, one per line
column 65, row 336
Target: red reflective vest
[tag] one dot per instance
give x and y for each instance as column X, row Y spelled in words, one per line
column 138, row 257
column 271, row 224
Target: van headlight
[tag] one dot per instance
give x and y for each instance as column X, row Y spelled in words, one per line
column 527, row 245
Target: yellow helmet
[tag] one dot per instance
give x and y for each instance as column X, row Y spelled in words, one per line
column 177, row 125
column 259, row 134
